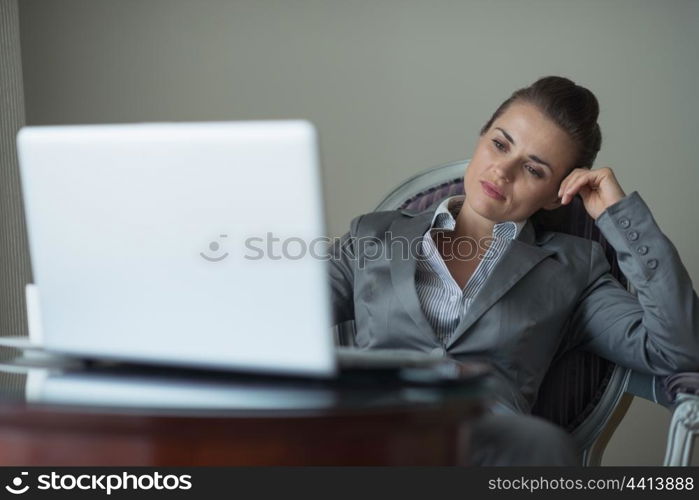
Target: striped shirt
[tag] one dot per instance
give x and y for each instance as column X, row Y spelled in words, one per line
column 443, row 302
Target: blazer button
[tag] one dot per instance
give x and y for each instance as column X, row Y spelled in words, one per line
column 632, row 235
column 642, row 249
column 653, row 263
column 624, row 222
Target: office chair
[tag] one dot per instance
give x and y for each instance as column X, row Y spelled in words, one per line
column 583, row 393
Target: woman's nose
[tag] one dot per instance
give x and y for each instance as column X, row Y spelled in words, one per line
column 505, row 170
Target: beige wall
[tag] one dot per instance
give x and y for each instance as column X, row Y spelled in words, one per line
column 14, row 258
column 394, row 86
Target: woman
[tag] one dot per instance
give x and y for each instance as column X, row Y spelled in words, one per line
column 530, row 295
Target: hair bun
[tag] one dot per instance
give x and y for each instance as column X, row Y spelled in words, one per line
column 572, row 107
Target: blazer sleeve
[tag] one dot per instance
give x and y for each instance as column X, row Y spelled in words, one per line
column 341, row 269
column 656, row 331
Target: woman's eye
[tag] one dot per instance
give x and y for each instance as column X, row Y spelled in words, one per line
column 533, row 171
column 501, row 146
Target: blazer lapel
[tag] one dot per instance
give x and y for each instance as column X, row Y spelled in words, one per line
column 403, row 269
column 520, row 257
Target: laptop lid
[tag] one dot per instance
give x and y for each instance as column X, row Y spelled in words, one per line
column 192, row 244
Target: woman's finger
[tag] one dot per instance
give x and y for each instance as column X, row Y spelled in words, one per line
column 570, row 178
column 582, row 179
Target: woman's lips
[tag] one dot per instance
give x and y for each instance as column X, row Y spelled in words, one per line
column 492, row 191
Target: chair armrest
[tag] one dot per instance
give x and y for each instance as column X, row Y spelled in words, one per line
column 679, row 393
column 683, row 390
column 684, row 382
column 663, row 390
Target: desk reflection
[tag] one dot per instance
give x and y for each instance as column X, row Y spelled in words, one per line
column 65, row 382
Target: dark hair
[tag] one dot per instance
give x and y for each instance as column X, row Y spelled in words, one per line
column 570, row 106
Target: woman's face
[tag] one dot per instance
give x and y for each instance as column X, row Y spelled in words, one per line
column 518, row 165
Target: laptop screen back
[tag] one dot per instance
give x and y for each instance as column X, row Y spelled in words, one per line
column 193, row 244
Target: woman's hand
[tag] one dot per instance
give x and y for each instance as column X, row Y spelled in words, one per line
column 598, row 189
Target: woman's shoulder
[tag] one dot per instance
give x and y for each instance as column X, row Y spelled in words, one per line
column 569, row 249
column 379, row 222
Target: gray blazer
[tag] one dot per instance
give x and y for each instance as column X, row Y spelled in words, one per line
column 549, row 293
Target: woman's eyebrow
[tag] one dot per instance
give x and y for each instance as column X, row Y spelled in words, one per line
column 532, row 157
column 507, row 136
column 539, row 160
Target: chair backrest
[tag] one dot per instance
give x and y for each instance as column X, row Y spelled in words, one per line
column 576, row 381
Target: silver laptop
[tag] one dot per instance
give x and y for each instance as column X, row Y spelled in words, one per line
column 187, row 244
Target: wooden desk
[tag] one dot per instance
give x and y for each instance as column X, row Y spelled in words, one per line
column 365, row 423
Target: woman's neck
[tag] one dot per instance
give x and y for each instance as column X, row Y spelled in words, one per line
column 469, row 224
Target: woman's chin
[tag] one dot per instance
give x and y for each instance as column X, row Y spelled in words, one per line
column 487, row 208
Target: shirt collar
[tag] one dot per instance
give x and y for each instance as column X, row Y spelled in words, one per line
column 445, row 218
